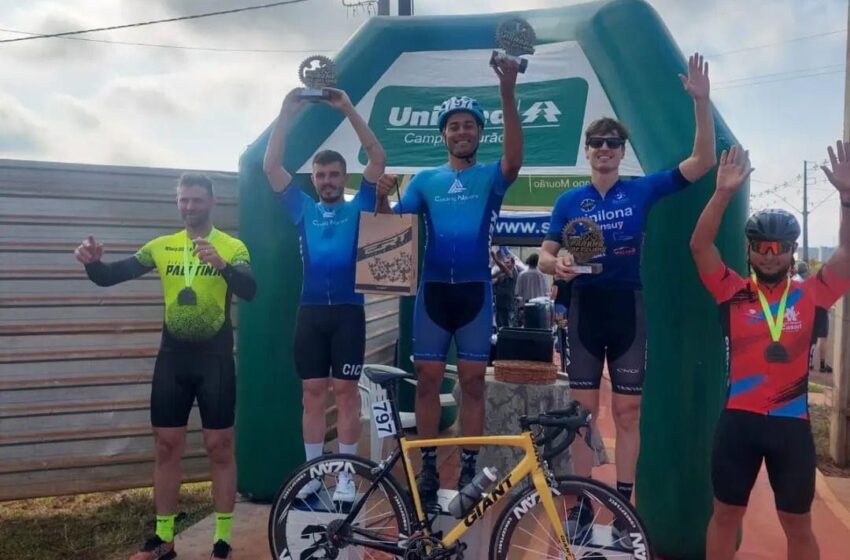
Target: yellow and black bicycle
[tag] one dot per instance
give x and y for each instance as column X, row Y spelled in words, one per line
column 562, row 517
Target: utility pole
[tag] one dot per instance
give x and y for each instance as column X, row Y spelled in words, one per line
column 805, row 212
column 839, row 430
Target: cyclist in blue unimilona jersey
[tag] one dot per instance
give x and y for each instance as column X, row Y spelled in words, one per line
column 606, row 315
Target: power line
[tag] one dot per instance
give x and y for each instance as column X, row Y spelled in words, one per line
column 787, row 78
column 794, row 208
column 758, row 202
column 782, row 73
column 181, row 47
column 152, row 22
column 830, row 195
column 791, row 40
column 788, row 183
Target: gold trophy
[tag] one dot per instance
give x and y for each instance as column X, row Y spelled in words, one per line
column 583, row 238
column 516, row 37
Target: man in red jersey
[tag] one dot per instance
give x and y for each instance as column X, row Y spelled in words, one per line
column 769, row 326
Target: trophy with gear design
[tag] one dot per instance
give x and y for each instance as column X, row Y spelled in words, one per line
column 584, row 239
column 516, row 37
column 316, row 73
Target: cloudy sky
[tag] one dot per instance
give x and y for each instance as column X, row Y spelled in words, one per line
column 777, row 68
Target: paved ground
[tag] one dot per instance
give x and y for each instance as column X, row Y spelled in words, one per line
column 763, row 538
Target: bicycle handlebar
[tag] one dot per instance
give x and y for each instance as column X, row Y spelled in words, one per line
column 571, row 419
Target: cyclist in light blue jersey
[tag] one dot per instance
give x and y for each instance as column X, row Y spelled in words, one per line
column 607, row 321
column 330, row 332
column 460, row 202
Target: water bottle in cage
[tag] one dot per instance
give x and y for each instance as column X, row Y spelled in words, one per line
column 470, row 494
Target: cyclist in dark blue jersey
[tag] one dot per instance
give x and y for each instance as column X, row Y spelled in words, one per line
column 330, row 332
column 606, row 314
column 460, row 202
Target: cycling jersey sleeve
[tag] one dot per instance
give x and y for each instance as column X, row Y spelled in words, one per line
column 145, row 254
column 827, row 287
column 411, row 202
column 293, row 200
column 664, row 183
column 104, row 274
column 241, row 280
column 237, row 273
column 559, row 218
column 723, row 283
column 365, row 197
column 240, row 255
column 500, row 183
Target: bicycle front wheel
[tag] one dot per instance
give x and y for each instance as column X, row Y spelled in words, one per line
column 320, row 494
column 599, row 523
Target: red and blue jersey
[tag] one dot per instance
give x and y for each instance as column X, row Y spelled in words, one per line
column 754, row 384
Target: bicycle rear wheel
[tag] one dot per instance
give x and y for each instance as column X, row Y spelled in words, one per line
column 298, row 526
column 604, row 526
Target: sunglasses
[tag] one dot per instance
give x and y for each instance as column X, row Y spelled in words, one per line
column 778, row 247
column 613, row 142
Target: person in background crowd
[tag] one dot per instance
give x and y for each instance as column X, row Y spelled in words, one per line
column 531, row 283
column 504, row 289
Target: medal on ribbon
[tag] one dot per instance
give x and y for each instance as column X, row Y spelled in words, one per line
column 191, row 263
column 775, row 353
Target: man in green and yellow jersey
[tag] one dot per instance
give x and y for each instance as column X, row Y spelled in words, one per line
column 201, row 268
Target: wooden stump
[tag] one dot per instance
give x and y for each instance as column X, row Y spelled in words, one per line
column 506, row 402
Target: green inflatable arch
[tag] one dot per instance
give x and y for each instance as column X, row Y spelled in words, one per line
column 610, row 57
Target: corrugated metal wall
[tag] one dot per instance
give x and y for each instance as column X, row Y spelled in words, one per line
column 76, row 360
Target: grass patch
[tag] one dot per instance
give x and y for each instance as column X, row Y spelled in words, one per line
column 105, row 525
column 816, row 388
column 819, row 415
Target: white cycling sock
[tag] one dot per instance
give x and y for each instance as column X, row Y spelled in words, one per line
column 348, row 448
column 313, row 450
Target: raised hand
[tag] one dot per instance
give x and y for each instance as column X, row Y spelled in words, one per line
column 839, row 175
column 208, row 254
column 89, row 251
column 733, row 170
column 386, row 184
column 293, row 102
column 696, row 83
column 338, row 99
column 506, row 69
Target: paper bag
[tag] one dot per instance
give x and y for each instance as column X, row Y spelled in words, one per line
column 387, row 254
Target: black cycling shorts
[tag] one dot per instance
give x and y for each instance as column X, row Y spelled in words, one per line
column 606, row 323
column 330, row 340
column 179, row 377
column 743, row 439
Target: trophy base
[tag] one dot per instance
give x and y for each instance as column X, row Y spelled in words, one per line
column 313, row 94
column 592, row 268
column 523, row 62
